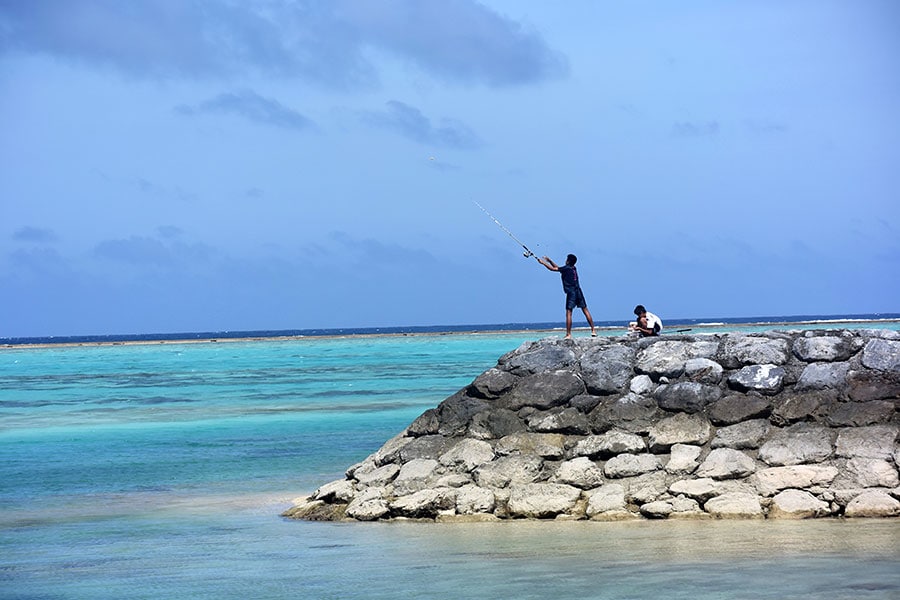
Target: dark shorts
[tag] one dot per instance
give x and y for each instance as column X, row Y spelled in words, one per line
column 575, row 298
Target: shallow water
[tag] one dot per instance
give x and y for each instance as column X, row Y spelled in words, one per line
column 160, row 470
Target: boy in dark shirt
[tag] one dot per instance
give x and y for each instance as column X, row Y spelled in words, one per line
column 572, row 288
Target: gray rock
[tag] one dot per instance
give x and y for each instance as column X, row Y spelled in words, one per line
column 734, row 505
column 493, row 383
column 879, row 441
column 882, row 355
column 641, row 384
column 368, row 505
column 820, row 376
column 738, row 351
column 501, row 472
column 774, row 479
column 610, row 444
column 543, row 390
column 725, row 463
column 545, row 445
column 797, row 444
column 765, row 379
column 414, row 476
column 703, row 370
column 687, row 396
column 659, row 509
column 797, row 504
column 538, row 357
column 471, row 499
column 580, row 472
column 873, row 503
column 858, row 414
column 495, row 424
column 628, row 465
column 467, row 454
column 455, row 413
column 868, row 472
column 667, row 358
column 701, row 489
column 379, row 476
column 630, row 412
column 679, row 429
column 424, row 503
column 868, row 385
column 739, row 407
column 336, row 491
column 648, row 487
column 607, row 370
column 792, row 407
column 542, row 500
column 606, row 498
column 683, row 459
column 428, row 446
column 823, row 348
column 742, row 436
column 562, row 420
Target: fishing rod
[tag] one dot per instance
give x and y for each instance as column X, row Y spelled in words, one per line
column 528, row 253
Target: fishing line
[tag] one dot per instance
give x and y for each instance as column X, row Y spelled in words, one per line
column 528, row 253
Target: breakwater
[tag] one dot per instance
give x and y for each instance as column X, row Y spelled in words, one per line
column 781, row 424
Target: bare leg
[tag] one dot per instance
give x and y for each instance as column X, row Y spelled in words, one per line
column 568, row 324
column 587, row 315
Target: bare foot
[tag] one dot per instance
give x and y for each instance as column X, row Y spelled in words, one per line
column 568, row 337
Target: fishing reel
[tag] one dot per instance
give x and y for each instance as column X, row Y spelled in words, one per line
column 528, row 254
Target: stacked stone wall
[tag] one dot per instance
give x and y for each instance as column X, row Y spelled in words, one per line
column 781, row 424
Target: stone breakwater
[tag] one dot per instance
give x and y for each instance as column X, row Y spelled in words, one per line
column 782, row 424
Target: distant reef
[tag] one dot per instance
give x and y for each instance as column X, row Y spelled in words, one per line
column 777, row 425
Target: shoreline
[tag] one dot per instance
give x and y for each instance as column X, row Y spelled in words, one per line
column 605, row 331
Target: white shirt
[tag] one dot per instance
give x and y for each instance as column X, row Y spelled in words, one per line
column 653, row 320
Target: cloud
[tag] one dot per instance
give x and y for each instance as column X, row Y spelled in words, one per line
column 251, row 106
column 409, row 122
column 688, row 129
column 321, row 42
column 34, row 234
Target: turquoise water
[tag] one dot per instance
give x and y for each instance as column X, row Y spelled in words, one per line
column 159, row 471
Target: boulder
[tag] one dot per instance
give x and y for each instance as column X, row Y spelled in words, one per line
column 580, row 472
column 667, row 358
column 739, row 407
column 686, row 396
column 607, row 370
column 703, row 370
column 683, row 459
column 766, row 379
column 545, row 445
column 873, row 503
column 820, row 376
column 680, row 428
column 609, row 444
column 466, row 455
column 471, row 499
column 882, row 355
column 734, row 505
column 543, row 390
column 824, row 348
column 726, row 463
column 739, row 351
column 742, row 436
column 774, row 479
column 797, row 504
column 606, row 498
column 628, row 465
column 541, row 500
column 797, row 444
column 879, row 441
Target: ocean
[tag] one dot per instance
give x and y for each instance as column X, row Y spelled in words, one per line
column 144, row 468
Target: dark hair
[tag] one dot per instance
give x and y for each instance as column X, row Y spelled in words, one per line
column 571, row 259
column 639, row 309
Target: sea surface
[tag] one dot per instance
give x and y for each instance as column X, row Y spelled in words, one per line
column 159, row 470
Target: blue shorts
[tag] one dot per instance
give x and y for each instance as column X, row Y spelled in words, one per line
column 575, row 298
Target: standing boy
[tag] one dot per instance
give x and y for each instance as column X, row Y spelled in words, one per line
column 574, row 295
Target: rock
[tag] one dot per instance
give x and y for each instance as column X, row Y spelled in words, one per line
column 368, row 505
column 700, row 489
column 659, row 509
column 679, row 429
column 455, row 413
column 493, row 383
column 738, row 351
column 798, row 444
column 820, row 376
column 645, row 488
column 608, row 370
column 545, row 445
column 667, row 358
column 641, row 384
column 686, row 396
column 609, row 444
column 340, row 491
column 742, row 436
column 868, row 472
column 606, row 498
column 428, row 446
column 774, row 479
column 878, row 441
column 823, row 348
column 628, row 465
column 543, row 390
column 726, row 463
column 580, row 472
column 495, row 424
column 541, row 500
column 738, row 407
column 873, row 385
column 467, row 454
column 501, row 472
column 873, row 503
column 858, row 414
column 734, row 506
column 703, row 370
column 882, row 355
column 683, row 459
column 765, row 379
column 424, row 503
column 471, row 499
column 414, row 476
column 797, row 504
column 379, row 476
column 537, row 357
column 807, row 406
column 630, row 413
column 560, row 420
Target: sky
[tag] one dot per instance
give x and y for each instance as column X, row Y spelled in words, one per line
column 179, row 166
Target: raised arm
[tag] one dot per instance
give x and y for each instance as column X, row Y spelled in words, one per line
column 545, row 260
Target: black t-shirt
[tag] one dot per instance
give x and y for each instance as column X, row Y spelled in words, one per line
column 569, row 276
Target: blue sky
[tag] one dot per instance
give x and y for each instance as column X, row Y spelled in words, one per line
column 172, row 166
